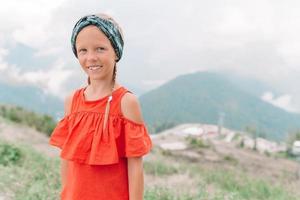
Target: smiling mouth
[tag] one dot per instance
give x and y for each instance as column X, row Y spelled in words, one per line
column 94, row 67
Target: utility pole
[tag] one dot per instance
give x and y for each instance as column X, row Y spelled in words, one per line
column 220, row 122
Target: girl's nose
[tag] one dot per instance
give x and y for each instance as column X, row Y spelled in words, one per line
column 91, row 56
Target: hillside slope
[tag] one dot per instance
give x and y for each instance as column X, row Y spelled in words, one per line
column 204, row 97
column 31, row 98
column 210, row 170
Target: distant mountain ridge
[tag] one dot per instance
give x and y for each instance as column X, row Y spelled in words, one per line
column 35, row 99
column 31, row 98
column 203, row 97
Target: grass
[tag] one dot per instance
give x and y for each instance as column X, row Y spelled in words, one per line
column 10, row 154
column 163, row 193
column 159, row 193
column 159, row 168
column 43, row 123
column 36, row 177
column 235, row 185
column 197, row 143
column 231, row 159
column 33, row 176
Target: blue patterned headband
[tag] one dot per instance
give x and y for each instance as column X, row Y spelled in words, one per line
column 107, row 27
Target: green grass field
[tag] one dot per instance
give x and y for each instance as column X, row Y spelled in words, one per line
column 28, row 175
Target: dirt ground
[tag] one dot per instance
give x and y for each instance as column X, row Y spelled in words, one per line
column 228, row 155
column 218, row 154
column 12, row 132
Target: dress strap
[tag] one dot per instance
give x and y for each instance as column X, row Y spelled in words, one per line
column 123, row 92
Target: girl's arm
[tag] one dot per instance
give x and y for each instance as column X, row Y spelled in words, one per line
column 63, row 171
column 136, row 178
column 64, row 163
column 131, row 110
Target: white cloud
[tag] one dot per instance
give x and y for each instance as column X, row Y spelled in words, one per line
column 27, row 21
column 164, row 39
column 51, row 80
column 3, row 64
column 284, row 101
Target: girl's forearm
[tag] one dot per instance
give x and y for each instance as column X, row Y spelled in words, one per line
column 135, row 178
column 63, row 170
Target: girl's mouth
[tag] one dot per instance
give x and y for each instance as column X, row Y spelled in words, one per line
column 94, row 67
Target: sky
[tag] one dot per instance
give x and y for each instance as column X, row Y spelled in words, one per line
column 163, row 39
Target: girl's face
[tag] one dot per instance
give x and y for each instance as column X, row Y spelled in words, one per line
column 95, row 53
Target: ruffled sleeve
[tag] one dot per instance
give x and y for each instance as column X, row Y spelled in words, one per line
column 82, row 139
column 137, row 139
column 60, row 133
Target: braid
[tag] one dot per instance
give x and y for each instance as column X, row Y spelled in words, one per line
column 114, row 75
column 89, row 80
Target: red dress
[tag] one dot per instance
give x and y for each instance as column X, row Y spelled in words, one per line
column 98, row 159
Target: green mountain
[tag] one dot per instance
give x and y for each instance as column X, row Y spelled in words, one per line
column 249, row 85
column 31, row 98
column 204, row 96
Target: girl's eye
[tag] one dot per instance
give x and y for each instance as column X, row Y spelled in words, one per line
column 100, row 49
column 81, row 50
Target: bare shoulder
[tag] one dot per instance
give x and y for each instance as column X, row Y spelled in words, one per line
column 68, row 103
column 130, row 107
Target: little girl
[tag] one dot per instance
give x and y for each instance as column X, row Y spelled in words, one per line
column 102, row 136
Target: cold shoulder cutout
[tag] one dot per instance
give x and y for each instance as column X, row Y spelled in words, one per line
column 130, row 108
column 81, row 137
column 135, row 129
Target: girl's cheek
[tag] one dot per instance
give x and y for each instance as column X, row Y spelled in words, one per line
column 81, row 62
column 81, row 58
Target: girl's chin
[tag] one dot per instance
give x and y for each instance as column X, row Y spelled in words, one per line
column 95, row 73
column 96, row 77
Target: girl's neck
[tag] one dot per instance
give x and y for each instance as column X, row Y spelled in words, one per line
column 100, row 88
